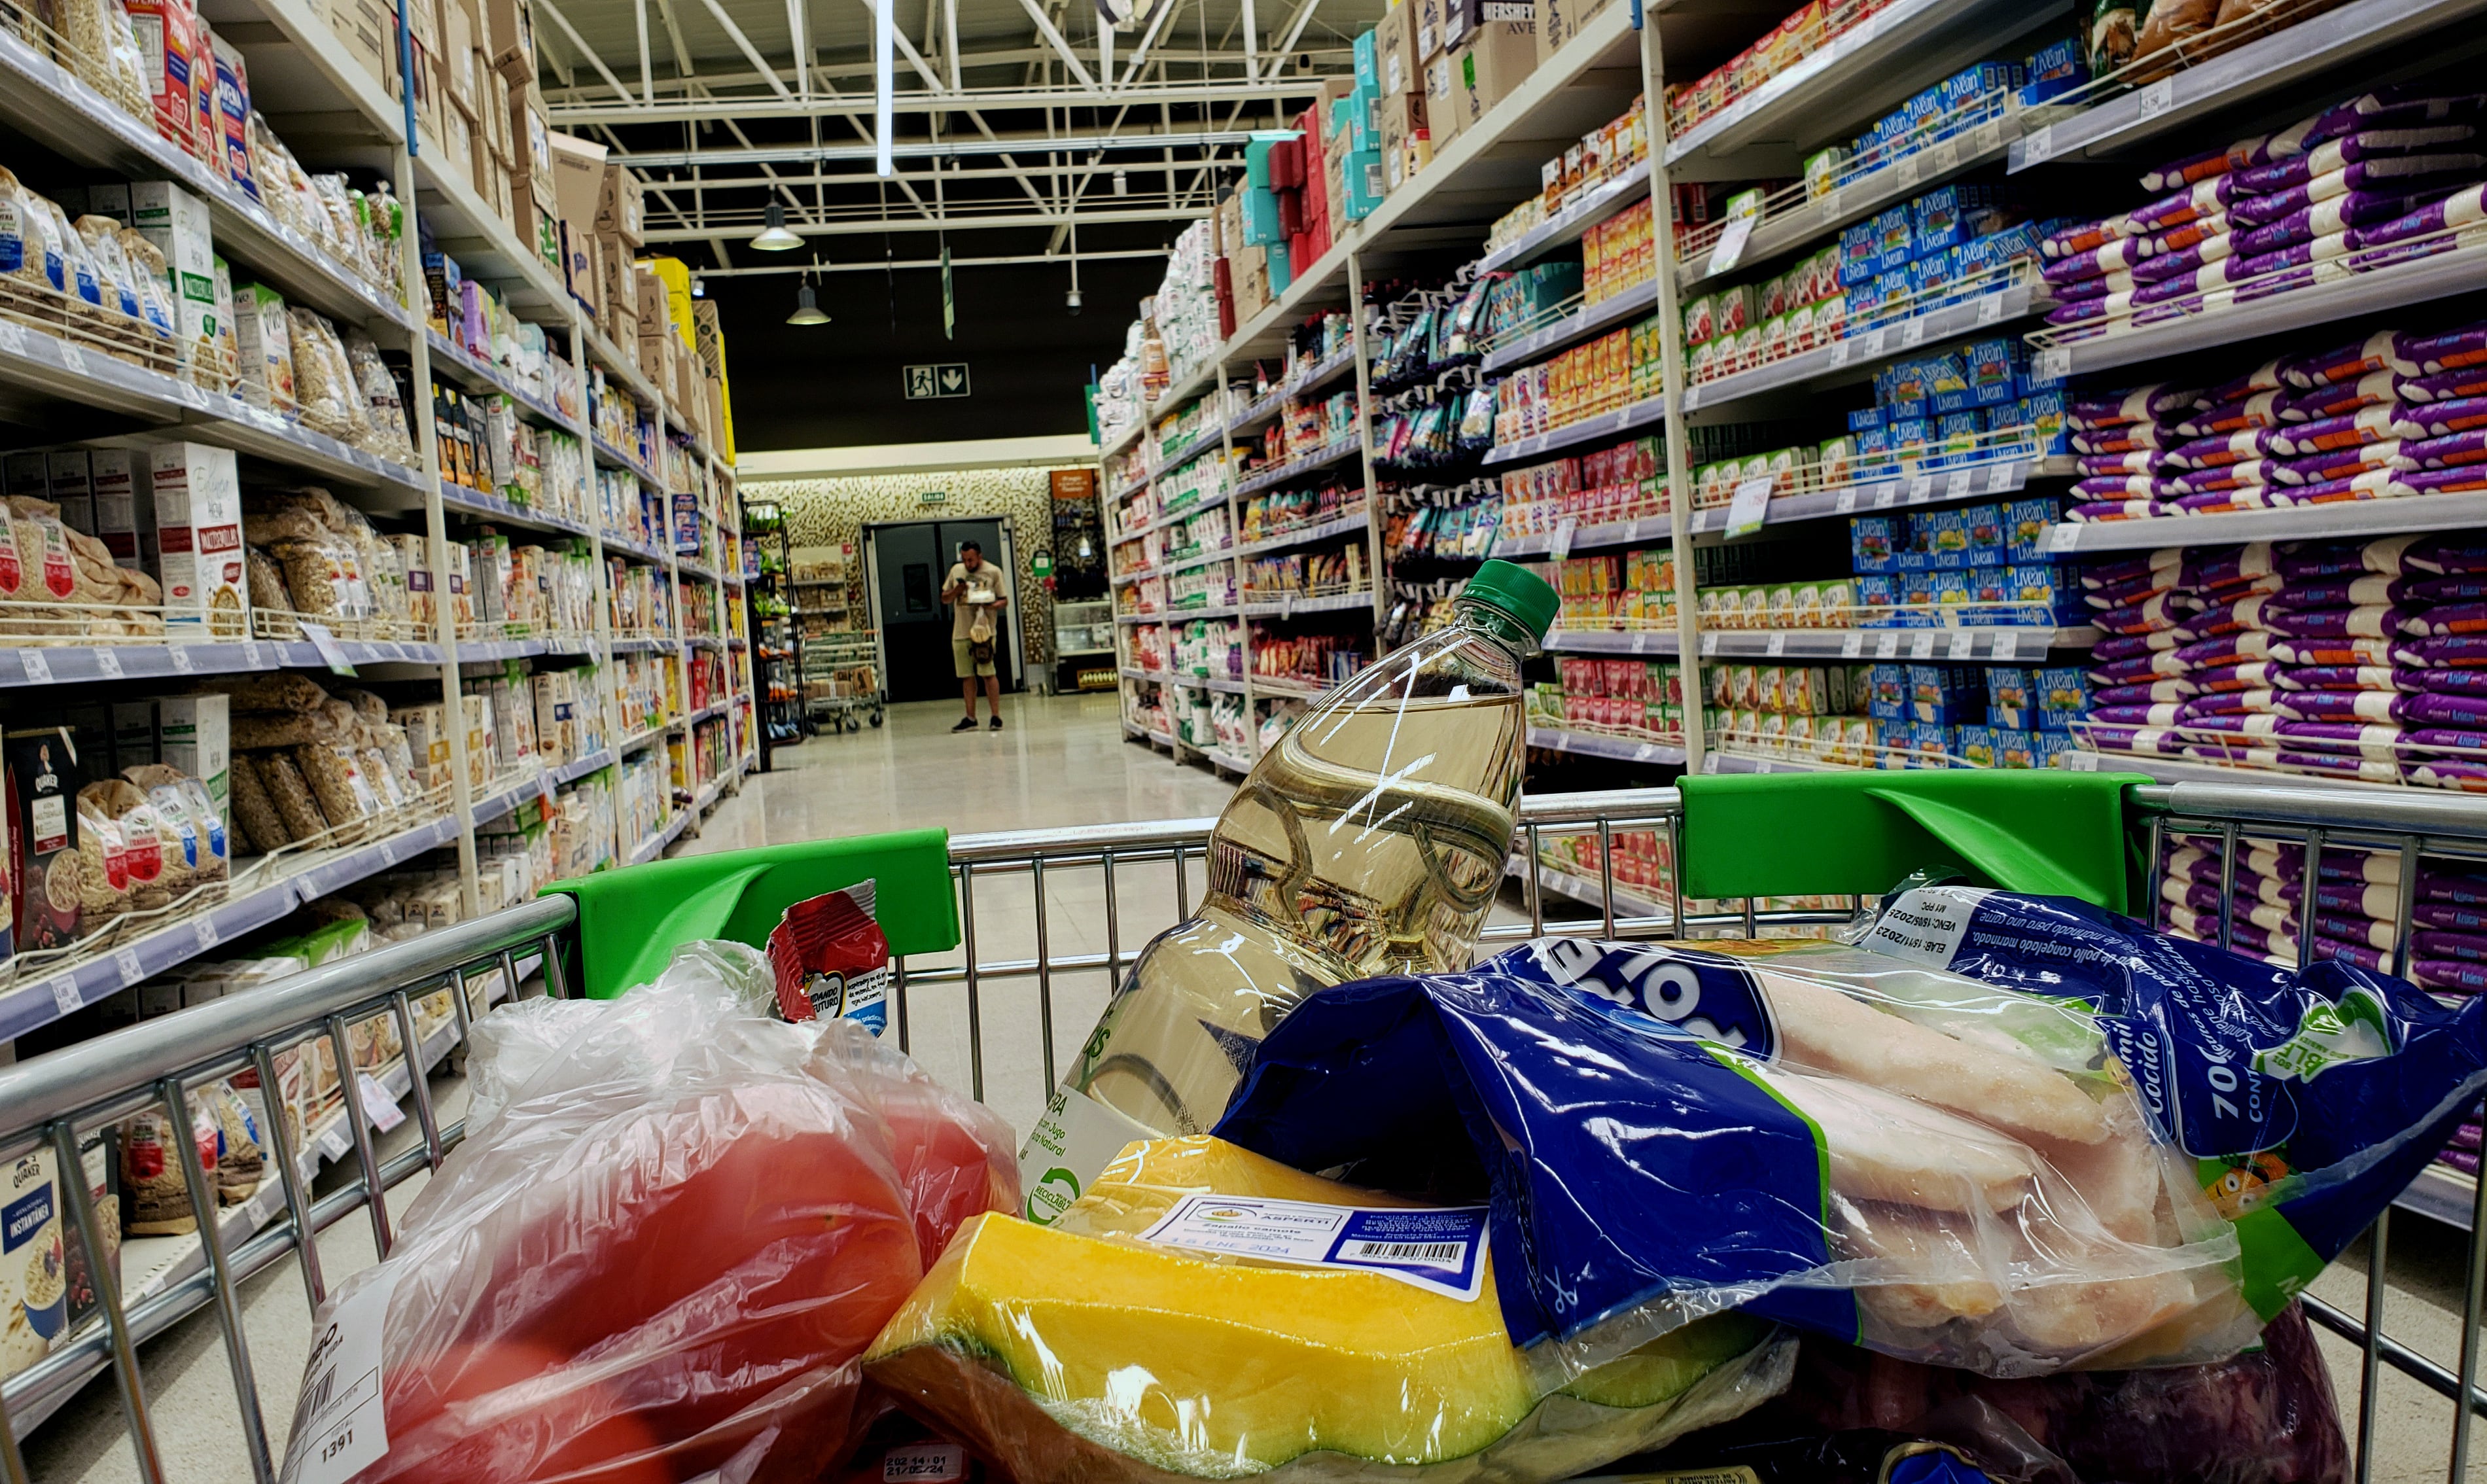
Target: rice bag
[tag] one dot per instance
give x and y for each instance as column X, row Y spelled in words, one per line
column 2012, row 1134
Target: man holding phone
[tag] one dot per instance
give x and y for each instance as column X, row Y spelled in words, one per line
column 977, row 596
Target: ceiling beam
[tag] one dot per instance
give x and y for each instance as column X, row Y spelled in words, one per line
column 866, row 226
column 955, row 147
column 942, row 100
column 1046, row 28
column 585, row 50
column 751, row 53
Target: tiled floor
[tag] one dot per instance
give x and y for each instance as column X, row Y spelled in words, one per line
column 1060, row 762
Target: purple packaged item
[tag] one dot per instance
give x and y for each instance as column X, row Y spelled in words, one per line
column 2183, row 262
column 2139, row 404
column 2353, row 206
column 2458, row 479
column 2317, row 559
column 2122, row 439
column 2436, row 943
column 2445, row 556
column 2365, row 260
column 2335, row 399
column 2243, row 647
column 2447, row 621
column 2117, row 256
column 2115, row 594
column 2252, row 474
column 2372, row 485
column 2212, row 502
column 2087, row 236
column 2225, row 449
column 2446, row 386
column 2201, row 199
column 2436, row 141
column 2427, row 708
column 2084, row 311
column 2428, row 355
column 2470, row 587
column 2218, row 567
column 2118, row 486
column 2087, row 291
column 2340, row 463
column 2134, row 671
column 2141, row 694
column 2264, row 378
column 2210, row 164
column 2451, row 738
column 2463, row 207
column 2124, row 569
column 2202, row 231
column 2183, row 286
column 2455, row 886
column 2139, row 461
column 2365, row 622
column 2331, row 650
column 2258, row 410
column 2448, row 917
column 2332, row 677
column 2114, row 510
column 2336, row 705
column 2366, row 425
column 2228, row 618
column 2347, row 591
column 2462, row 652
column 2399, row 106
column 2444, row 680
column 2451, row 452
column 2159, row 714
column 2150, row 615
column 2440, row 419
column 2214, row 679
column 2366, row 771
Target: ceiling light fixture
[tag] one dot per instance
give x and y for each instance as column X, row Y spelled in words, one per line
column 884, row 88
column 774, row 237
column 1122, row 183
column 699, row 286
column 807, row 309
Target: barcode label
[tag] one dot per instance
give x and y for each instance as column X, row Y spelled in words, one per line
column 1410, row 1251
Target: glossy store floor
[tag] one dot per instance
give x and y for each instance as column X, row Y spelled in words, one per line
column 1060, row 762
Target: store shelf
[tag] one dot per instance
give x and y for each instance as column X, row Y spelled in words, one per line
column 491, row 507
column 1602, row 428
column 1289, row 686
column 1586, row 890
column 1293, row 606
column 707, row 641
column 1985, row 479
column 1567, row 226
column 2392, row 287
column 1298, row 537
column 2313, row 523
column 1583, row 538
column 638, row 739
column 2442, row 1194
column 1122, row 493
column 1232, row 762
column 640, row 646
column 1169, row 518
column 2247, row 73
column 1314, row 378
column 1136, row 575
column 1208, row 558
column 655, row 845
column 1865, row 193
column 688, row 568
column 1599, row 744
column 1189, row 682
column 448, row 357
column 1178, row 615
column 1294, row 469
column 1957, row 643
column 1848, row 355
column 1633, row 303
column 1858, row 75
column 1203, row 441
column 1718, row 761
column 571, row 772
column 613, row 456
column 637, row 551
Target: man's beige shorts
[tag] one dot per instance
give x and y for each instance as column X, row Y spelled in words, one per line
column 963, row 663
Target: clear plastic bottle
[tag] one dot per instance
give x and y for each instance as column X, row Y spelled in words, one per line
column 1369, row 840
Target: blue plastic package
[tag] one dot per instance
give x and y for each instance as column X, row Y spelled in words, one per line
column 2010, row 1134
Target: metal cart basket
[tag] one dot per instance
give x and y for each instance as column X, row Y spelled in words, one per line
column 842, row 678
column 1012, row 960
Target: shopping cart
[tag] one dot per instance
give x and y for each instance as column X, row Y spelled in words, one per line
column 842, row 678
column 1839, row 836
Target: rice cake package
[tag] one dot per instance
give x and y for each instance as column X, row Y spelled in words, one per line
column 2011, row 1134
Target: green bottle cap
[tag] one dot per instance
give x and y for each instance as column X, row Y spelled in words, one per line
column 1518, row 592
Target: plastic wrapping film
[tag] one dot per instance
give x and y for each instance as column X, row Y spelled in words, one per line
column 2013, row 1134
column 674, row 1227
column 1140, row 1338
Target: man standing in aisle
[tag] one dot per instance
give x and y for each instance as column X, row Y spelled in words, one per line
column 977, row 597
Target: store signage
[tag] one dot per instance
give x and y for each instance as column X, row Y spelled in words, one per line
column 948, row 378
column 934, row 498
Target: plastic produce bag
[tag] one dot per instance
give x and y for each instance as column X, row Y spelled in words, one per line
column 1202, row 1313
column 2266, row 1416
column 2015, row 1134
column 674, row 1227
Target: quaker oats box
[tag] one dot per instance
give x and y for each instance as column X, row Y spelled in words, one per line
column 44, row 865
column 33, row 1271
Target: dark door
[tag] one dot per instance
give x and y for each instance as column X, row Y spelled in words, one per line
column 909, row 562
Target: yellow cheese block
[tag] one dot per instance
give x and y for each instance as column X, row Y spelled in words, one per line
column 1079, row 1352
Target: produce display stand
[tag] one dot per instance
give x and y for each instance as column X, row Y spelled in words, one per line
column 1844, row 834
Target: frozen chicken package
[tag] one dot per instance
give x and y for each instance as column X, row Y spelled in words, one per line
column 674, row 1226
column 1202, row 1313
column 2011, row 1134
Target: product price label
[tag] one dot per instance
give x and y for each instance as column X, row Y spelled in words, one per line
column 65, row 993
column 1559, row 545
column 1886, row 494
column 107, row 664
column 1913, row 333
column 331, row 652
column 1732, row 238
column 1829, row 206
column 1887, row 646
column 1870, row 343
column 2155, row 99
column 1962, row 481
column 1906, row 170
column 13, row 338
column 378, row 1105
column 203, row 932
column 2037, row 147
column 1748, row 507
column 2003, row 476
column 2081, row 762
column 250, row 655
column 1964, row 645
column 1840, row 351
column 38, row 670
column 1710, row 763
column 1846, row 502
column 339, row 1426
column 2064, row 537
column 1774, row 646
column 1709, row 645
column 1851, row 645
column 2051, row 364
column 1442, row 1249
column 1921, row 488
column 1986, row 136
column 126, row 962
column 73, row 358
column 1922, row 645
column 1990, row 309
column 2006, row 644
column 1945, row 155
column 180, row 657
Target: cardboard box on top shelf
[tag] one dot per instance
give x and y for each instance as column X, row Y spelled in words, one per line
column 456, row 141
column 613, row 279
column 655, row 306
column 423, row 22
column 461, row 27
column 495, row 110
column 1493, row 61
column 369, row 30
column 511, row 38
column 531, row 140
column 578, row 176
column 482, row 167
column 578, row 264
column 1432, row 29
column 1466, row 15
column 1444, row 115
column 1397, row 63
column 620, row 205
column 1560, row 20
column 1406, row 140
column 707, row 338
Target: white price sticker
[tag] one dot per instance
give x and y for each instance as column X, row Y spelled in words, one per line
column 1887, row 646
column 1287, row 606
column 1732, row 238
column 1851, row 645
column 2064, row 537
column 2005, row 477
column 1709, row 645
column 340, row 1426
column 2155, row 99
column 1639, row 642
column 1921, row 644
column 2037, row 147
column 1960, row 481
column 331, row 652
column 1986, row 136
column 107, row 664
column 1990, row 309
column 1913, row 333
column 13, row 338
column 1829, row 207
column 72, row 358
column 1871, row 342
column 38, row 669
column 1748, row 507
column 180, row 658
column 1847, row 500
column 1776, row 646
column 378, row 1105
column 1907, row 170
column 1964, row 644
column 250, row 655
column 126, row 961
column 1841, row 349
column 2006, row 644
column 2051, row 364
column 1710, row 763
column 1886, row 494
column 65, row 993
column 2080, row 762
column 1945, row 155
column 203, row 932
column 1559, row 546
column 1643, row 752
column 334, row 1144
column 1692, row 398
column 1921, row 488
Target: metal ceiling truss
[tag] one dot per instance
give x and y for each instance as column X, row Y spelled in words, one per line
column 1032, row 133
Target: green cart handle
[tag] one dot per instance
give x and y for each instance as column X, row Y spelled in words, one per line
column 2039, row 830
column 631, row 920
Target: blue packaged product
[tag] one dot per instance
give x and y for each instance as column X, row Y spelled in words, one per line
column 2013, row 749
column 1968, row 423
column 1936, row 743
column 1864, row 419
column 1973, row 743
column 1933, row 218
column 1958, row 400
column 2042, row 409
column 2052, row 70
column 2025, row 523
column 1944, row 535
column 1875, row 595
column 1872, row 541
column 1922, row 1143
column 1887, row 691
column 1909, row 383
column 1908, row 413
column 1984, row 525
column 1978, row 80
column 2062, row 689
column 2019, row 717
column 1945, row 371
column 1951, row 590
column 1856, row 275
column 1894, row 236
column 1368, row 69
column 1928, row 278
column 1916, row 597
column 1891, row 286
column 1859, row 243
column 1986, row 367
column 2007, row 684
column 2053, row 749
column 2011, row 244
column 1874, row 444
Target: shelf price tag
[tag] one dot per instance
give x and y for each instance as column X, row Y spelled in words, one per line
column 1921, row 488
column 73, row 358
column 1887, row 646
column 1732, row 238
column 1964, row 644
column 331, row 652
column 2155, row 99
column 179, row 654
column 126, row 962
column 2006, row 644
column 1776, row 646
column 38, row 670
column 1945, row 154
column 1886, row 494
column 107, row 663
column 203, row 932
column 65, row 993
column 1921, row 644
column 378, row 1105
column 1841, row 349
column 2063, row 538
column 1907, row 170
column 1913, row 333
column 1990, row 309
column 1851, row 645
column 1559, row 545
column 1847, row 501
column 1709, row 644
column 1830, row 206
column 2005, row 477
column 1871, row 342
column 2038, row 146
column 1961, row 481
column 1750, row 506
column 2051, row 364
column 1986, row 136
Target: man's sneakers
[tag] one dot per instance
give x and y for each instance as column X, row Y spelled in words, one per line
column 997, row 723
column 969, row 724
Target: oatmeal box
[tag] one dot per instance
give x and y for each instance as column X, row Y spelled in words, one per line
column 194, row 509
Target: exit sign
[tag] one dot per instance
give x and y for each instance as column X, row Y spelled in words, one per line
column 948, row 378
column 934, row 498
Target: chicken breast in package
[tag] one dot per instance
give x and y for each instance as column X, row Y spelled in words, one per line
column 2010, row 1134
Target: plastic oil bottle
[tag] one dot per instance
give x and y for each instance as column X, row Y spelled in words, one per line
column 1370, row 839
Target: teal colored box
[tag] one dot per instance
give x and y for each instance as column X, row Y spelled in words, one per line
column 1368, row 64
column 1362, row 170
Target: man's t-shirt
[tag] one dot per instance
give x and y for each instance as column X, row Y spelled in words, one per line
column 986, row 579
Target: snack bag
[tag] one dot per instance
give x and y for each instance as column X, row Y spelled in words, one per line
column 830, row 959
column 2011, row 1134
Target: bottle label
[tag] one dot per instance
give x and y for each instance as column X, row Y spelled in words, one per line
column 1439, row 1250
column 1075, row 1140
